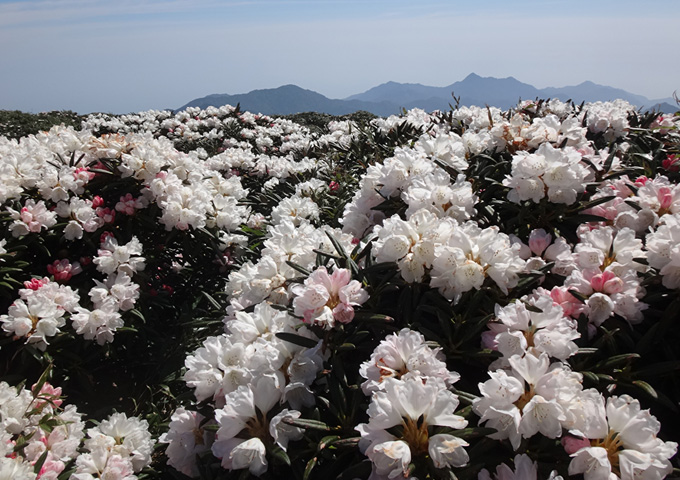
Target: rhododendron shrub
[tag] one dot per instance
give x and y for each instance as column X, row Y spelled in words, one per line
column 469, row 294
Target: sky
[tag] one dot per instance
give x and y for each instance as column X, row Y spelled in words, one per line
column 122, row 56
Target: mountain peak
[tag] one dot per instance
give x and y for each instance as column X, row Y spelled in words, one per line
column 390, row 97
column 472, row 77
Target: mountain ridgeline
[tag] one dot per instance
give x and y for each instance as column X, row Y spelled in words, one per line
column 391, row 97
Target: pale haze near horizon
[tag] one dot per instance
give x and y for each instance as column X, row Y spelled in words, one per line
column 134, row 55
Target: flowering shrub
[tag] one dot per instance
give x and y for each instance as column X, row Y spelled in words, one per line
column 465, row 294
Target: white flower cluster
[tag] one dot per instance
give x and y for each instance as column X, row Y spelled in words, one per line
column 408, row 383
column 325, row 299
column 40, row 312
column 245, row 373
column 268, row 278
column 557, row 173
column 620, row 442
column 33, row 428
column 532, row 324
column 116, row 449
column 413, row 175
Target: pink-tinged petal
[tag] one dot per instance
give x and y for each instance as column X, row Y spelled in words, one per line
column 343, row 313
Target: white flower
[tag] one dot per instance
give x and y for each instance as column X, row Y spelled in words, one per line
column 32, row 218
column 402, row 355
column 608, row 249
column 520, row 410
column 99, row 324
column 558, row 173
column 113, row 258
column 470, row 255
column 325, row 299
column 130, row 439
column 411, row 243
column 415, row 406
column 186, row 439
column 525, row 469
column 15, row 469
column 663, row 250
column 245, row 415
column 626, row 445
column 535, row 324
column 295, row 209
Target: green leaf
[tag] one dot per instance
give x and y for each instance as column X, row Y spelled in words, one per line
column 41, row 461
column 473, row 432
column 338, row 247
column 216, row 305
column 298, row 268
column 308, row 424
column 327, row 440
column 308, row 469
column 280, row 454
column 138, row 314
column 646, row 387
column 617, row 360
column 41, row 381
column 297, row 339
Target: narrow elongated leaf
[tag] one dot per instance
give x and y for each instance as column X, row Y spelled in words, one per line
column 297, row 339
column 308, row 469
column 309, row 424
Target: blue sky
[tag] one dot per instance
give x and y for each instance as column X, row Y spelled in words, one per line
column 132, row 55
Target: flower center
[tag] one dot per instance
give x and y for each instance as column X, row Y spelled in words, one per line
column 198, row 436
column 529, row 335
column 525, row 398
column 415, row 434
column 387, row 372
column 612, row 444
column 257, row 426
column 333, row 301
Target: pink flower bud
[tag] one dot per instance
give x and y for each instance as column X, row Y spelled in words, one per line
column 343, row 313
column 84, row 174
column 63, row 270
column 105, row 236
column 36, row 283
column 107, row 214
column 671, row 163
column 665, row 197
column 615, row 285
column 48, row 393
column 97, row 202
column 597, row 282
column 641, row 181
column 574, row 444
column 539, row 240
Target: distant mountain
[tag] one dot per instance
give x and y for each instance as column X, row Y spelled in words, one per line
column 389, row 98
column 290, row 99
